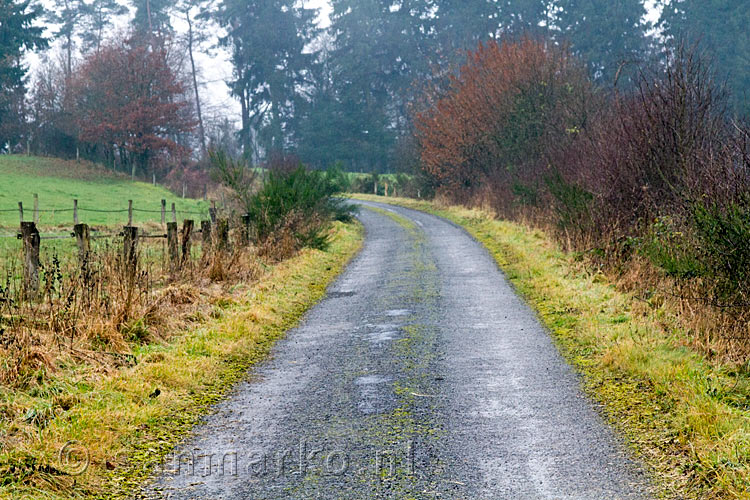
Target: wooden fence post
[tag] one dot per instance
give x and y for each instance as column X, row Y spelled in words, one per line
column 75, row 212
column 36, row 209
column 31, row 243
column 246, row 229
column 173, row 247
column 187, row 233
column 163, row 212
column 20, row 211
column 82, row 234
column 212, row 212
column 130, row 250
column 130, row 213
column 222, row 235
column 206, row 234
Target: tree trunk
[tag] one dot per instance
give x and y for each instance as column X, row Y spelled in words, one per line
column 201, row 129
column 277, row 141
column 69, row 67
column 245, row 121
column 99, row 32
column 69, row 39
column 148, row 13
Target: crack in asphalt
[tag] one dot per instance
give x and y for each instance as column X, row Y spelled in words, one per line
column 421, row 375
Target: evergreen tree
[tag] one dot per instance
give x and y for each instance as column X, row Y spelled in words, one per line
column 530, row 17
column 318, row 118
column 721, row 26
column 99, row 17
column 396, row 40
column 609, row 36
column 68, row 15
column 364, row 71
column 17, row 35
column 152, row 16
column 196, row 35
column 267, row 39
column 462, row 24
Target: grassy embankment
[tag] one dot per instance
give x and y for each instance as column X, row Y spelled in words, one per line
column 59, row 182
column 117, row 419
column 685, row 416
column 103, row 396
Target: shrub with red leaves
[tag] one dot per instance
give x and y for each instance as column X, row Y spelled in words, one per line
column 493, row 121
column 130, row 102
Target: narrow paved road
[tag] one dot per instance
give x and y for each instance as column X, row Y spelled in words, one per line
column 422, row 375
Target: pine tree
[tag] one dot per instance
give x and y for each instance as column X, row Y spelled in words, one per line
column 152, row 16
column 462, row 24
column 609, row 36
column 526, row 17
column 267, row 39
column 68, row 15
column 18, row 34
column 99, row 18
column 195, row 36
column 396, row 39
column 721, row 27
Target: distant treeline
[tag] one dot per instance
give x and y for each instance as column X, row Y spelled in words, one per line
column 340, row 93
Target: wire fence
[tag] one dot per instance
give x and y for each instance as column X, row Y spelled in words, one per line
column 216, row 235
column 57, row 235
column 95, row 210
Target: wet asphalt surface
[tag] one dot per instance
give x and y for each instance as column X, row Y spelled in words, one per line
column 421, row 375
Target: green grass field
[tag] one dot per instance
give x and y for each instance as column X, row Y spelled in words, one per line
column 59, row 182
column 354, row 176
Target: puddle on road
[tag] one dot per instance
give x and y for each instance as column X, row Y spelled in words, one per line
column 372, row 379
column 385, row 336
column 398, row 312
column 374, row 391
column 386, row 332
column 383, row 326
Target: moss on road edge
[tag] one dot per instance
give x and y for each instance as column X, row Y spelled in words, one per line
column 685, row 417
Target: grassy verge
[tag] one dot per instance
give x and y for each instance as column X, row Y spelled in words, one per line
column 59, row 182
column 127, row 422
column 685, row 416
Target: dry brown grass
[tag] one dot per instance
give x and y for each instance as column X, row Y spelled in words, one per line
column 289, row 237
column 95, row 315
column 720, row 333
column 90, row 377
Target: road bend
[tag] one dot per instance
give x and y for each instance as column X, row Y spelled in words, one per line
column 421, row 375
